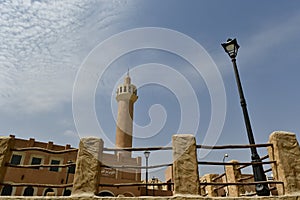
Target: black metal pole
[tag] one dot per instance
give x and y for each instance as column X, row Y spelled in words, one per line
column 227, row 193
column 146, row 176
column 258, row 171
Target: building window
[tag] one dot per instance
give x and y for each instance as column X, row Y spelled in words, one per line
column 6, row 190
column 16, row 159
column 28, row 191
column 54, row 162
column 71, row 169
column 36, row 161
column 124, row 88
column 67, row 192
column 48, row 190
column 120, row 89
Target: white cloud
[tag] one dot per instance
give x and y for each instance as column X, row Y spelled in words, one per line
column 42, row 47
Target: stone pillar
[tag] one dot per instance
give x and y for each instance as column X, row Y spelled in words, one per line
column 233, row 175
column 86, row 178
column 6, row 143
column 209, row 189
column 286, row 153
column 185, row 165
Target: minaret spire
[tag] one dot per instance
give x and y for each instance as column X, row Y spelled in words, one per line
column 126, row 97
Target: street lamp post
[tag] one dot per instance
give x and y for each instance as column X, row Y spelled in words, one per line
column 147, row 154
column 231, row 48
column 226, row 156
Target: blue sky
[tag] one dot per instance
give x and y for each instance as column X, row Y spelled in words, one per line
column 44, row 45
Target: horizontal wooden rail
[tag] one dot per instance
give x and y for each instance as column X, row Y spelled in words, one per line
column 245, row 178
column 264, row 157
column 218, row 177
column 236, row 146
column 132, row 184
column 243, row 166
column 229, row 163
column 38, row 185
column 40, row 165
column 220, row 187
column 138, row 149
column 268, row 170
column 136, row 167
column 44, row 150
column 243, row 183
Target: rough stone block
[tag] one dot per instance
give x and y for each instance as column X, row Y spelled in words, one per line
column 209, row 189
column 185, row 165
column 86, row 179
column 286, row 152
column 233, row 174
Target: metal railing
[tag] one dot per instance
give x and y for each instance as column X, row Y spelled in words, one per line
column 137, row 184
column 217, row 181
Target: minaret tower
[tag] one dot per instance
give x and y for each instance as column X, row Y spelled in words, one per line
column 126, row 97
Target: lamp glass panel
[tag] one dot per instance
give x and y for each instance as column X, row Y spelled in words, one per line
column 230, row 48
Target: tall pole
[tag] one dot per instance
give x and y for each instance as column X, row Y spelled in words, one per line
column 146, row 176
column 147, row 154
column 258, row 171
column 227, row 192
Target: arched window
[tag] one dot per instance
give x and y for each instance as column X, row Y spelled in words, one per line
column 6, row 190
column 128, row 194
column 120, row 89
column 67, row 192
column 124, row 88
column 28, row 191
column 106, row 194
column 48, row 190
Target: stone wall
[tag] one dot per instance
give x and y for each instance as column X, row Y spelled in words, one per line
column 286, row 152
column 177, row 197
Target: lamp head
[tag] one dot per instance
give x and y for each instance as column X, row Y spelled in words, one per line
column 147, row 154
column 231, row 47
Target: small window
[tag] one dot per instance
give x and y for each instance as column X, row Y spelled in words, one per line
column 36, row 161
column 120, row 89
column 71, row 169
column 6, row 190
column 28, row 191
column 15, row 159
column 124, row 88
column 67, row 192
column 54, row 162
column 48, row 190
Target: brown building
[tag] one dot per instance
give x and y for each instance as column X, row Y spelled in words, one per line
column 39, row 175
